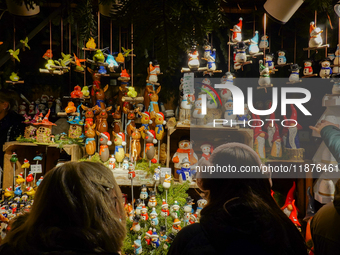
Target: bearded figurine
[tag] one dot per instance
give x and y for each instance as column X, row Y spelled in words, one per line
column 292, row 136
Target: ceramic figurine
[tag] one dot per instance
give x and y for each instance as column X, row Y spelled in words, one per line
column 135, row 225
column 8, row 192
column 144, row 213
column 237, row 36
column 79, row 67
column 70, row 108
column 186, row 102
column 167, row 181
column 90, row 142
column 153, row 106
column 44, row 130
column 101, row 118
column 259, row 139
column 165, row 209
column 153, row 217
column 162, row 232
column 137, row 245
column 152, row 201
column 39, row 181
column 270, row 61
column 150, row 140
column 155, row 239
column 64, row 61
column 193, row 218
column 119, row 142
column 225, row 94
column 315, row 39
column 139, row 204
column 293, row 141
column 131, row 173
column 264, row 44
column 14, row 77
column 18, row 190
column 228, row 114
column 326, row 70
column 75, row 130
column 146, row 121
column 201, row 203
column 90, row 44
column 100, row 96
column 188, row 205
column 135, row 148
column 264, row 80
column 14, row 54
column 174, row 210
column 120, row 58
column 152, row 74
column 89, row 115
column 308, row 67
column 193, row 62
column 49, row 64
column 168, row 241
column 207, row 149
column 176, row 226
column 241, row 55
column 104, row 142
column 76, row 93
column 295, row 71
column 20, row 179
column 125, row 164
column 147, row 236
column 185, row 171
column 22, row 108
column 131, row 116
column 156, row 175
column 102, row 70
column 211, row 66
column 253, row 47
column 112, row 63
column 98, row 56
column 132, row 93
column 144, row 193
column 30, row 191
column 25, row 44
column 197, row 113
column 276, row 141
column 289, row 207
column 281, row 59
column 184, row 151
column 207, row 51
column 159, row 129
column 116, row 124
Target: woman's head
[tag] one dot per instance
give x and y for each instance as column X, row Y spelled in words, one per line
column 77, row 201
column 8, row 100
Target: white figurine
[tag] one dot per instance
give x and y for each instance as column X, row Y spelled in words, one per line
column 281, row 60
column 264, row 79
column 167, row 181
column 207, row 51
column 228, row 114
column 156, row 175
column 185, row 173
column 254, row 48
column 184, row 151
column 197, row 113
column 174, row 210
column 207, row 149
column 22, row 108
column 186, row 102
column 308, row 69
column 165, row 209
column 237, row 65
column 264, row 44
column 211, row 61
column 193, row 62
column 326, row 70
column 295, row 71
column 112, row 162
column 270, row 61
column 241, row 55
column 237, row 29
column 315, row 39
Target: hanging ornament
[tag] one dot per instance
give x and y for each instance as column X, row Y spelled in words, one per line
column 264, row 44
column 308, row 69
column 326, row 70
column 295, row 74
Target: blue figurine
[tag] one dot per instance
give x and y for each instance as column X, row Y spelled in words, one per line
column 163, row 235
column 111, row 61
column 281, row 60
column 139, row 206
column 39, row 181
column 18, row 191
column 185, row 173
column 102, row 70
column 154, row 239
column 153, row 217
column 137, row 245
column 144, row 193
column 254, row 48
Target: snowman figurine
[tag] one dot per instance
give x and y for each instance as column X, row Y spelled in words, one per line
column 201, row 203
column 184, row 151
column 228, row 114
column 137, row 245
column 295, row 71
column 270, row 61
column 315, row 39
column 153, row 217
column 162, row 232
column 152, row 201
column 176, row 226
column 264, row 80
column 237, row 65
column 185, row 171
column 155, row 239
column 125, row 164
column 207, row 51
column 144, row 193
column 167, row 181
column 139, row 204
column 207, row 149
column 193, row 62
column 174, row 210
column 308, row 67
column 197, row 113
column 326, row 70
column 188, row 205
column 253, row 47
column 241, row 55
column 156, row 175
column 281, row 59
column 336, row 61
column 237, row 36
column 112, row 162
column 243, row 119
column 165, row 209
column 135, row 225
column 211, row 66
column 144, row 213
column 264, row 44
column 186, row 102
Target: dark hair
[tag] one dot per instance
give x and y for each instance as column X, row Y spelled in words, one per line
column 248, row 200
column 10, row 97
column 78, row 205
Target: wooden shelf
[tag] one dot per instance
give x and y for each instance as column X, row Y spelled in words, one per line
column 317, row 48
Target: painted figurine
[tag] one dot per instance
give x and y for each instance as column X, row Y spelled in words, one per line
column 197, row 113
column 326, row 70
column 174, row 210
column 176, row 226
column 156, row 175
column 135, row 147
column 201, row 203
column 281, row 59
column 131, row 173
column 293, row 141
column 150, row 140
column 184, row 150
column 153, row 217
column 112, row 162
column 125, row 164
column 193, row 62
column 264, row 44
column 167, row 181
column 162, row 232
column 70, row 108
column 152, row 201
column 168, row 241
column 188, row 205
column 155, row 239
column 270, row 61
column 165, row 209
column 139, row 204
column 146, row 121
column 253, row 47
column 137, row 245
column 144, row 213
column 289, row 207
column 237, row 29
column 315, row 39
column 241, row 55
column 77, row 93
column 119, row 142
column 193, row 218
column 135, row 225
column 308, row 67
column 159, row 129
column 295, row 73
column 90, row 143
column 185, row 173
column 264, row 80
column 104, row 142
column 211, row 65
column 207, row 149
column 90, row 44
column 144, row 192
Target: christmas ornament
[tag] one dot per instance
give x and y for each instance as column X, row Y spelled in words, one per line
column 162, row 232
column 90, row 143
column 79, row 67
column 112, row 162
column 102, row 70
column 155, row 239
column 156, row 175
column 168, row 241
column 264, row 44
column 253, row 47
column 137, row 245
column 174, row 210
column 176, row 226
column 237, row 29
column 152, row 200
column 193, row 218
column 184, row 150
column 165, row 209
column 326, row 70
column 119, row 142
column 135, row 225
column 14, row 77
column 185, row 173
column 153, row 217
column 281, row 59
column 125, row 164
column 144, row 213
column 188, row 205
column 201, row 203
column 193, row 62
column 39, row 181
column 315, row 39
column 120, row 58
column 270, row 61
column 241, row 55
column 294, row 76
column 308, row 68
column 143, row 194
column 147, row 236
column 139, row 204
column 132, row 93
column 167, row 181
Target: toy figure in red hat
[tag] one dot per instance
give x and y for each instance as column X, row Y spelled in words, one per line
column 292, row 134
column 207, row 149
column 119, row 141
column 315, row 39
column 104, row 142
column 289, row 207
column 159, row 121
column 237, row 36
column 276, row 142
column 259, row 139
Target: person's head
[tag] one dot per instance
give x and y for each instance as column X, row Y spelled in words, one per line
column 77, row 202
column 8, row 101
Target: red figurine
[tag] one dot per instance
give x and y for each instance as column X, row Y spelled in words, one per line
column 29, row 178
column 76, row 93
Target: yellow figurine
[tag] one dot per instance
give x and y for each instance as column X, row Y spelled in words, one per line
column 8, row 192
column 24, row 44
column 70, row 108
column 119, row 142
column 91, row 44
column 14, row 77
column 20, row 179
column 120, row 58
column 30, row 191
column 159, row 121
column 26, row 164
column 50, row 63
column 14, row 54
column 85, row 91
column 132, row 92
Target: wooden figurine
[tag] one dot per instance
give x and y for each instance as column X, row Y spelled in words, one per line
column 101, row 118
column 237, row 29
column 135, row 148
column 159, row 121
column 96, row 84
column 153, row 107
column 119, row 142
column 89, row 115
column 315, row 39
column 76, row 129
column 146, row 121
column 131, row 115
column 150, row 140
column 100, row 96
column 104, row 142
column 90, row 143
column 45, row 129
column 116, row 124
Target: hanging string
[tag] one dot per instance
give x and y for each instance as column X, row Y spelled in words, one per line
column 14, row 36
column 295, row 48
column 98, row 29
column 131, row 54
column 62, row 35
column 315, row 18
column 229, row 54
column 51, row 39
column 326, row 49
column 111, row 36
column 69, row 38
column 264, row 30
